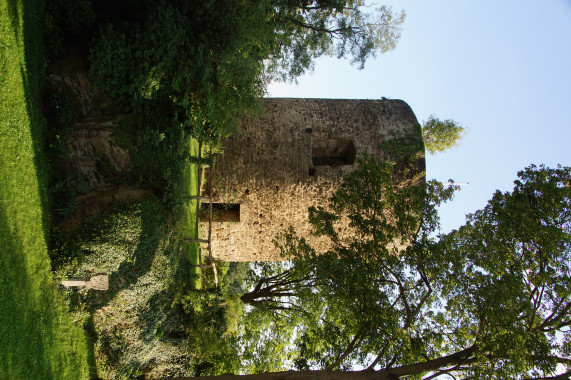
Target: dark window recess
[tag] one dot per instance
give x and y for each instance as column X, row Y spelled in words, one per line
column 221, row 212
column 333, row 152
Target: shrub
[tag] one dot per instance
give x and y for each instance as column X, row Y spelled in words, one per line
column 186, row 61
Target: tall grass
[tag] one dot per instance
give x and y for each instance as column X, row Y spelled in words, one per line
column 37, row 338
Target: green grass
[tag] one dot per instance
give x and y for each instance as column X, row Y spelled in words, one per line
column 38, row 340
column 188, row 222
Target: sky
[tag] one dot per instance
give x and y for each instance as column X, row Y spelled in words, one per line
column 501, row 68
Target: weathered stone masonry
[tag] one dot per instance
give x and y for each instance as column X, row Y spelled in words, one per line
column 290, row 158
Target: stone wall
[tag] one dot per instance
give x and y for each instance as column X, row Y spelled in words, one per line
column 93, row 155
column 290, row 158
column 91, row 144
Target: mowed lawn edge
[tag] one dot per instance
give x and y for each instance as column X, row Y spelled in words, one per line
column 190, row 182
column 38, row 339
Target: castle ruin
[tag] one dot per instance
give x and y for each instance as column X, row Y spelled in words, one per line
column 293, row 157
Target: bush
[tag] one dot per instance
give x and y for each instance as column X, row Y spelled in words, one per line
column 65, row 19
column 186, row 61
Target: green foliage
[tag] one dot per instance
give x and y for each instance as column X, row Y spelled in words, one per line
column 441, row 135
column 265, row 342
column 508, row 274
column 215, row 317
column 65, row 19
column 111, row 50
column 490, row 300
column 71, row 17
column 159, row 158
column 373, row 280
column 305, row 30
column 212, row 344
column 205, row 64
column 181, row 58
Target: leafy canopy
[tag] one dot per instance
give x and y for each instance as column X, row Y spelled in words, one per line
column 489, row 300
column 304, row 30
column 362, row 293
column 205, row 64
column 440, row 135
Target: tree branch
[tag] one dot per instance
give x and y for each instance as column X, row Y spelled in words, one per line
column 377, row 359
column 456, row 358
column 335, row 32
column 356, row 342
column 445, row 371
column 553, row 318
column 563, row 376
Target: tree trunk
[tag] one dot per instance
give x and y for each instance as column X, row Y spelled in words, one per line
column 298, row 375
column 434, row 365
column 255, row 296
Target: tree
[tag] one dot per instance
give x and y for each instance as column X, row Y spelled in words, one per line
column 507, row 278
column 205, row 64
column 441, row 135
column 191, row 63
column 304, row 30
column 277, row 287
column 489, row 300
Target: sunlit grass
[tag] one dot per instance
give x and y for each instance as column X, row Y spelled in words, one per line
column 190, row 180
column 38, row 340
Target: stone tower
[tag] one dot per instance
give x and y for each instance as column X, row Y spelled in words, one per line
column 290, row 158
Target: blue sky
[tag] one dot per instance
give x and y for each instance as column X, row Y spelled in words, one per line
column 502, row 68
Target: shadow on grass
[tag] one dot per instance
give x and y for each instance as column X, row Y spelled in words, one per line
column 92, row 338
column 33, row 75
column 16, row 353
column 132, row 267
column 14, row 15
column 34, row 340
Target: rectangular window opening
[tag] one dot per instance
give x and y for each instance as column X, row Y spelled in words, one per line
column 334, row 152
column 221, row 212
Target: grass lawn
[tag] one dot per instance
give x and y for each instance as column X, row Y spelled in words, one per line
column 188, row 222
column 38, row 340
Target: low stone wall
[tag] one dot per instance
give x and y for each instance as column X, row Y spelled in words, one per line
column 93, row 155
